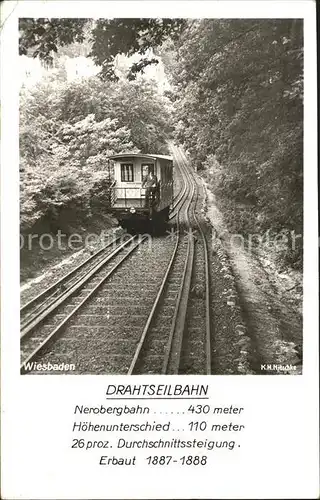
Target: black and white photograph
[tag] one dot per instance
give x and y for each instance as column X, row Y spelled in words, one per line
column 161, row 196
column 159, row 217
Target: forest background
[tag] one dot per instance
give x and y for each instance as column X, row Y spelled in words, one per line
column 230, row 92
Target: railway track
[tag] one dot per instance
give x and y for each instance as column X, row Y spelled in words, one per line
column 170, row 344
column 41, row 302
column 199, row 342
column 49, row 319
column 93, row 316
column 178, row 199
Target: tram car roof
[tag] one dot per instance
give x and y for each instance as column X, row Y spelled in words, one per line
column 141, row 155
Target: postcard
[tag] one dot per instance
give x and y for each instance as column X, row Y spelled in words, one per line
column 159, row 250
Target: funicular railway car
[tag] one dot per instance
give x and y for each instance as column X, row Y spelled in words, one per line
column 142, row 190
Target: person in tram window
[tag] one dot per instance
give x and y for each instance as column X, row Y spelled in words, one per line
column 150, row 182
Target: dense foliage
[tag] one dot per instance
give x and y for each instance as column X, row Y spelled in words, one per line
column 43, row 36
column 108, row 37
column 238, row 97
column 68, row 130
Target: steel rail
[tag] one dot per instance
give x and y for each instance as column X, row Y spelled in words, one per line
column 207, row 282
column 180, row 197
column 177, row 197
column 38, row 318
column 172, row 357
column 152, row 313
column 178, row 322
column 62, row 280
column 59, row 328
column 180, row 200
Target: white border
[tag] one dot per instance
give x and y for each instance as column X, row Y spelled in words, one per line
column 281, row 458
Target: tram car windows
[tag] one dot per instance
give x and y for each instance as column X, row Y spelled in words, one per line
column 130, row 201
column 126, row 172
